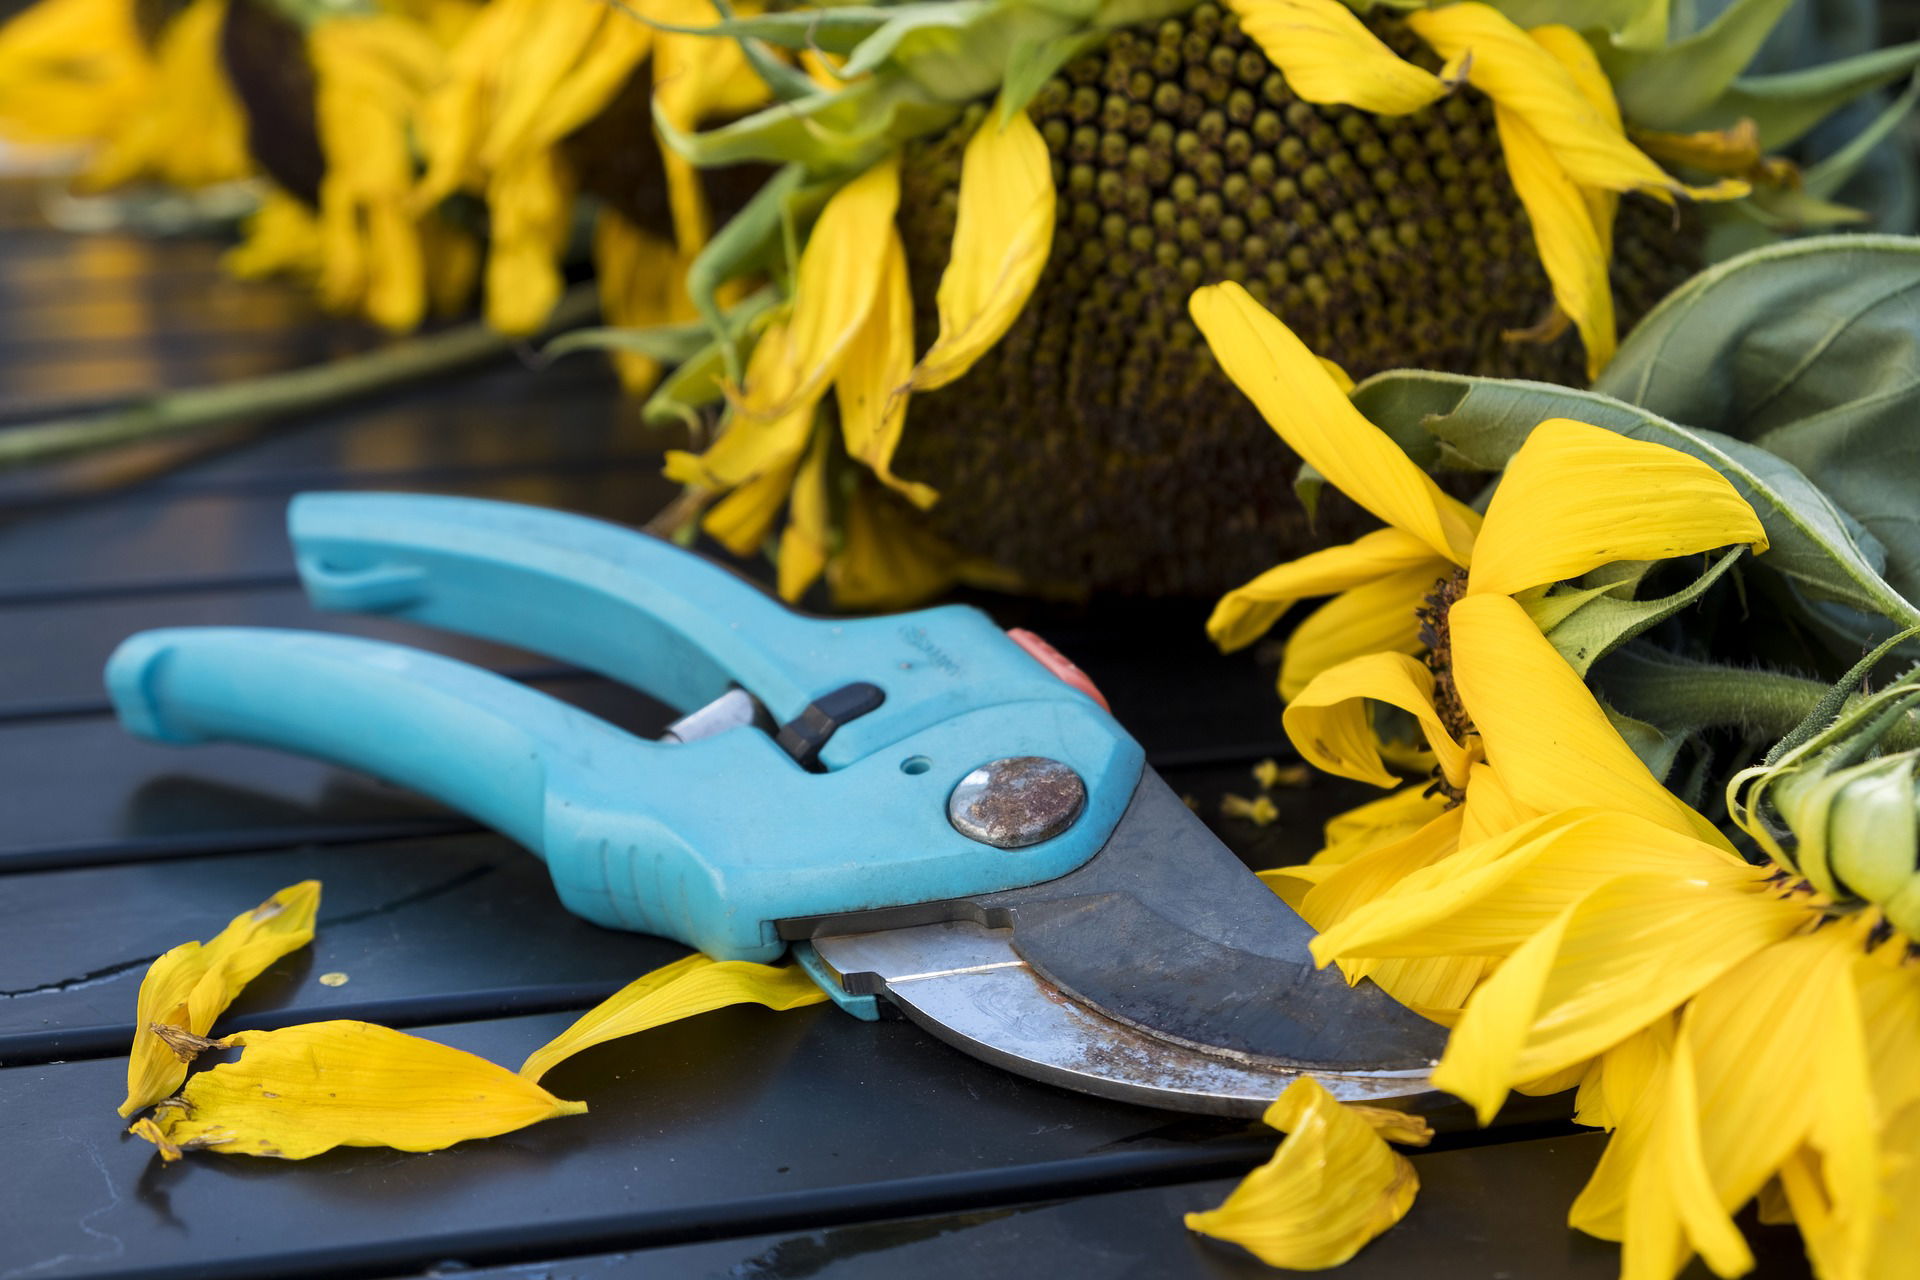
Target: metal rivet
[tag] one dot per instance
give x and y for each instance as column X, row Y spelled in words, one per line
column 1016, row 802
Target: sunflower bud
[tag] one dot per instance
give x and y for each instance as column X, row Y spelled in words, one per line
column 1840, row 806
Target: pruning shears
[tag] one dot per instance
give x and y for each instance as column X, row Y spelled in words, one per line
column 937, row 817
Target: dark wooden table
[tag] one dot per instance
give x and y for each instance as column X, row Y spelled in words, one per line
column 741, row 1143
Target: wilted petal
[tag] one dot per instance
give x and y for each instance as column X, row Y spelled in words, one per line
column 1001, row 237
column 1247, row 612
column 748, row 446
column 1328, row 722
column 1375, row 617
column 803, row 543
column 742, row 521
column 1328, row 56
column 1575, row 497
column 193, row 984
column 1565, row 236
column 840, row 276
column 873, row 409
column 530, row 202
column 1275, row 370
column 1543, row 732
column 1508, row 66
column 1370, row 825
column 307, row 1089
column 1608, row 966
column 1332, row 1186
column 682, row 989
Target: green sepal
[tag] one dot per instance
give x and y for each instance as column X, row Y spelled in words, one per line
column 1656, row 747
column 1663, row 88
column 1871, row 829
column 670, row 344
column 1601, row 621
column 1035, row 62
column 1784, row 106
column 732, row 249
column 1831, row 173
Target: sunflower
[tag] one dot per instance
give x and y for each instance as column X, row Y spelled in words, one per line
column 1440, row 188
column 139, row 85
column 317, row 104
column 547, row 100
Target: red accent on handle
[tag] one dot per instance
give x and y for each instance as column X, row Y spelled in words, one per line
column 1058, row 663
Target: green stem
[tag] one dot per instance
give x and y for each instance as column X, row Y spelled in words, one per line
column 1763, row 705
column 176, row 413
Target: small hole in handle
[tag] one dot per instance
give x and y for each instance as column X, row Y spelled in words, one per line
column 915, row 765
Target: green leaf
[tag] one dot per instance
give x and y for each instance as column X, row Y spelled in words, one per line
column 1815, row 546
column 1628, row 24
column 1806, row 349
column 1786, row 105
column 1827, row 177
column 835, row 29
column 1664, row 88
column 1602, row 623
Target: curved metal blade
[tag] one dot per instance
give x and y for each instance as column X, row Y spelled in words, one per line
column 963, row 983
column 1166, row 930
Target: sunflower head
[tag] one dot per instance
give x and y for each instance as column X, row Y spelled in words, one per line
column 1421, row 185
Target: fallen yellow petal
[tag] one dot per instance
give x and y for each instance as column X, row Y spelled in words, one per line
column 679, row 990
column 1001, row 237
column 193, row 984
column 303, row 1090
column 1260, row 810
column 1332, row 1186
column 1328, row 56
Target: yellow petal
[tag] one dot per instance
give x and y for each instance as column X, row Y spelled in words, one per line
column 682, row 989
column 834, row 289
column 640, row 278
column 741, row 521
column 1491, row 897
column 696, row 78
column 749, row 446
column 1328, row 722
column 1332, row 1186
column 873, row 411
column 1565, row 236
column 1311, row 413
column 193, row 984
column 1489, row 809
column 1247, row 612
column 1367, row 876
column 1576, row 497
column 1377, row 822
column 1328, row 56
column 1572, row 51
column 888, row 560
column 1508, row 66
column 803, row 543
column 1374, row 617
column 1621, row 1093
column 1542, row 730
column 303, row 1090
column 1607, row 967
column 1001, row 237
column 530, row 199
column 1671, row 1198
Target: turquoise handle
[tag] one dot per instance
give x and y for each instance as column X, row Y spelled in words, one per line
column 639, row 610
column 710, row 842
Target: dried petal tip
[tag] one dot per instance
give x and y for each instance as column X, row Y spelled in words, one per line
column 186, row 1046
column 191, row 985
